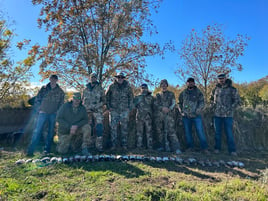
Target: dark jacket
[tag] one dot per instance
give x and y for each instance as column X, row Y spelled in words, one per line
column 49, row 100
column 66, row 117
column 191, row 102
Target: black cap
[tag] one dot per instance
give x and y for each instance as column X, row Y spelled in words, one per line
column 144, row 85
column 54, row 76
column 164, row 81
column 221, row 75
column 190, row 79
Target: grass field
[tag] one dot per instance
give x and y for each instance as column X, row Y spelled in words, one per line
column 130, row 180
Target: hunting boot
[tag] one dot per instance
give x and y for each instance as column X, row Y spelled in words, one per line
column 99, row 143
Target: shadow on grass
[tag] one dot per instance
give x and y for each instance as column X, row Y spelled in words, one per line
column 122, row 168
column 254, row 163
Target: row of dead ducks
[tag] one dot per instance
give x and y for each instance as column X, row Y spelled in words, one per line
column 95, row 158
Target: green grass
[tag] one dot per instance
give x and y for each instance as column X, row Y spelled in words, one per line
column 128, row 181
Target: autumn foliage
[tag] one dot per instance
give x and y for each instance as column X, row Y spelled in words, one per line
column 101, row 36
column 13, row 76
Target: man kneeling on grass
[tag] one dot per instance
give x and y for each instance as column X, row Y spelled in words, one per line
column 73, row 126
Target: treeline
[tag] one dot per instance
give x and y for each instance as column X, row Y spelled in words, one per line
column 252, row 94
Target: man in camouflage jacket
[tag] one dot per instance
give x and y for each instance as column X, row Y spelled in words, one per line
column 191, row 105
column 144, row 116
column 164, row 120
column 93, row 100
column 47, row 102
column 224, row 99
column 119, row 100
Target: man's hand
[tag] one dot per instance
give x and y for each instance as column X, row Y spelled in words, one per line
column 73, row 129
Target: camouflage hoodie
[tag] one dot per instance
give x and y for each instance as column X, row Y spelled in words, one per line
column 144, row 104
column 224, row 99
column 93, row 97
column 191, row 102
column 165, row 99
column 119, row 97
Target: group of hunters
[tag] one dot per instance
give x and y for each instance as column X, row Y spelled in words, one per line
column 85, row 113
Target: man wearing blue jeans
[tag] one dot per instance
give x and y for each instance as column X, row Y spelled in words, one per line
column 47, row 102
column 224, row 100
column 191, row 105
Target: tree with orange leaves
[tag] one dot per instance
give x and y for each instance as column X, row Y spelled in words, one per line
column 101, row 36
column 13, row 76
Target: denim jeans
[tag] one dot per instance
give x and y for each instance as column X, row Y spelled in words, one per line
column 41, row 120
column 227, row 122
column 197, row 121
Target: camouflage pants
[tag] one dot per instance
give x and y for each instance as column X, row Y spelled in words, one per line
column 95, row 119
column 165, row 125
column 121, row 118
column 141, row 124
column 67, row 142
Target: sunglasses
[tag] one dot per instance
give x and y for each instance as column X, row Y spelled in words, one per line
column 76, row 98
column 120, row 77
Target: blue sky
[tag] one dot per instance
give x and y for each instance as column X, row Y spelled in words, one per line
column 174, row 21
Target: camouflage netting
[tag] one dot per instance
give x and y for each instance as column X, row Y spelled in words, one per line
column 250, row 128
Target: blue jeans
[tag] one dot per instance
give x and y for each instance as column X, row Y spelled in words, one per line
column 187, row 122
column 41, row 120
column 227, row 122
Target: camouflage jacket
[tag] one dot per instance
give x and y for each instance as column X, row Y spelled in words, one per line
column 119, row 97
column 224, row 99
column 49, row 100
column 144, row 104
column 191, row 102
column 165, row 99
column 93, row 97
column 66, row 117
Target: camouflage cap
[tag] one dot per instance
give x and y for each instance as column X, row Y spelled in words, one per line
column 93, row 75
column 121, row 74
column 221, row 75
column 77, row 95
column 164, row 81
